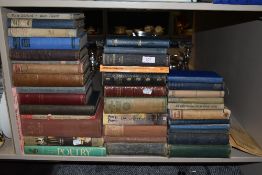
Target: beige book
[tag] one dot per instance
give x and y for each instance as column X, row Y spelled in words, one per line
column 195, row 106
column 46, row 15
column 195, row 100
column 195, row 93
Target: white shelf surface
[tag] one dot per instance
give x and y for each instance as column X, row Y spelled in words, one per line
column 129, row 5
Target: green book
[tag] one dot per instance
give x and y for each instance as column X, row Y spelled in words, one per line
column 66, row 150
column 210, row 151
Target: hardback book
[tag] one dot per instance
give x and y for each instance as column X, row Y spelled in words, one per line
column 195, row 106
column 134, row 79
column 196, row 100
column 135, row 91
column 194, row 77
column 197, row 121
column 135, row 119
column 196, row 93
column 45, row 23
column 62, row 141
column 195, row 86
column 209, row 151
column 116, row 59
column 200, row 128
column 134, row 69
column 134, row 50
column 135, row 130
column 45, row 15
column 51, row 43
column 240, row 2
column 127, row 105
column 66, row 150
column 150, row 149
column 109, row 139
column 126, row 41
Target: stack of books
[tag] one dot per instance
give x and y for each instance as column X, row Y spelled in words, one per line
column 198, row 120
column 135, row 95
column 57, row 105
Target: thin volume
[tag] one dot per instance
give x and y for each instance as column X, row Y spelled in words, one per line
column 196, row 93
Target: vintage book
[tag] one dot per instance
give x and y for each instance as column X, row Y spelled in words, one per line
column 196, row 93
column 135, row 119
column 109, row 139
column 196, row 100
column 134, row 79
column 200, row 128
column 122, row 105
column 200, row 114
column 43, row 43
column 197, row 121
column 239, row 2
column 47, row 55
column 150, row 149
column 198, row 138
column 135, row 91
column 88, row 109
column 134, row 69
column 134, row 50
column 195, row 106
column 195, row 86
column 46, row 15
column 62, row 141
column 45, row 23
column 210, row 151
column 135, row 60
column 135, row 130
column 194, row 77
column 66, row 150
column 125, row 41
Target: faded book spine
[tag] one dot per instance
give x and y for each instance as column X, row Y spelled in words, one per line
column 199, row 114
column 109, row 139
column 200, row 128
column 196, row 100
column 121, row 105
column 152, row 149
column 135, row 60
column 135, row 119
column 134, row 69
column 194, row 106
column 134, row 50
column 134, row 79
column 195, row 86
column 195, row 93
column 66, row 150
column 46, row 15
column 135, row 91
column 198, row 121
column 47, row 80
column 135, row 130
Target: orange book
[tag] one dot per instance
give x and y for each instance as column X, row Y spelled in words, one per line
column 134, row 69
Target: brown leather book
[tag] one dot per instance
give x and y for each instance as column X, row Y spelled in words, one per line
column 109, row 139
column 135, row 91
column 135, row 131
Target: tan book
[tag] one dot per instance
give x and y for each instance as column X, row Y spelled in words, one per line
column 195, row 106
column 195, row 100
column 195, row 93
column 134, row 69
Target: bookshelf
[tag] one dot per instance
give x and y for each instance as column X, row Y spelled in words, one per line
column 237, row 62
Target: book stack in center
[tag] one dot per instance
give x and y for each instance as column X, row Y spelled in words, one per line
column 198, row 121
column 135, row 96
column 58, row 109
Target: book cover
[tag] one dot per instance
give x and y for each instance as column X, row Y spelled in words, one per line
column 134, row 69
column 134, row 50
column 239, row 2
column 46, row 15
column 200, row 128
column 195, row 106
column 196, row 93
column 197, row 121
column 109, row 139
column 196, row 100
column 195, row 86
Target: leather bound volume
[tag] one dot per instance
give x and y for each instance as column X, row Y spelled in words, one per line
column 135, row 91
column 109, row 139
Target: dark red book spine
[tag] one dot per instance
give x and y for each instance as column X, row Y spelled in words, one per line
column 51, row 99
column 135, row 91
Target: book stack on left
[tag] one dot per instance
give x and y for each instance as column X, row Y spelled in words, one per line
column 59, row 111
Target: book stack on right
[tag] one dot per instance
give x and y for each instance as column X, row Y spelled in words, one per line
column 198, row 120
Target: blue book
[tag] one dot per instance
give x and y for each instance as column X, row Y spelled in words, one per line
column 135, row 50
column 46, row 23
column 195, row 86
column 52, row 43
column 194, row 76
column 125, row 41
column 198, row 121
column 200, row 128
column 241, row 2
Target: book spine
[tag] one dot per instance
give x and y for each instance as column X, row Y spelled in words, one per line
column 157, row 149
column 57, row 117
column 109, row 139
column 194, row 106
column 47, row 80
column 199, row 114
column 132, row 79
column 209, row 151
column 66, row 150
column 135, row 91
column 196, row 100
column 198, row 138
column 134, row 69
column 121, row 105
column 224, row 128
column 135, row 60
column 198, row 121
column 195, row 93
column 52, row 43
column 135, row 119
column 46, row 15
column 53, row 90
column 137, row 42
column 195, row 86
column 52, row 99
column 135, row 130
column 187, row 79
column 134, row 50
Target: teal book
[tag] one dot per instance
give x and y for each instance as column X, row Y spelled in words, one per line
column 66, row 150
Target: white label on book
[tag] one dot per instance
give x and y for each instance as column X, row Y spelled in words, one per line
column 77, row 142
column 147, row 91
column 147, row 59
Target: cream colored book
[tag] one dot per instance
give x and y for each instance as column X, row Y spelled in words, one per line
column 46, row 15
